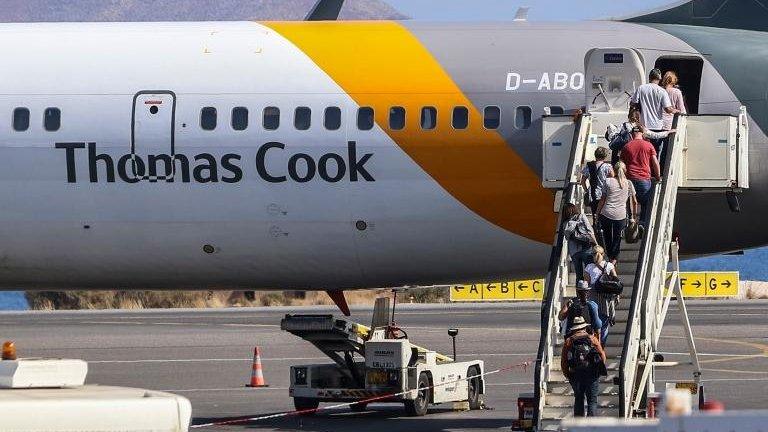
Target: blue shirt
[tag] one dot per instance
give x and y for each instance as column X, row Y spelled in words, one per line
column 596, row 324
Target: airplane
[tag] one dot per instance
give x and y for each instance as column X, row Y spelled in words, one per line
column 327, row 155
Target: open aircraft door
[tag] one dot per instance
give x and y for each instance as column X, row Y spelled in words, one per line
column 716, row 152
column 612, row 75
column 153, row 133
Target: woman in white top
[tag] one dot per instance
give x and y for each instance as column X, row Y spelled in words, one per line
column 606, row 303
column 612, row 209
column 669, row 83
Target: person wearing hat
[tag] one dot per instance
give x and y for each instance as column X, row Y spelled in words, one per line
column 582, row 361
column 580, row 307
column 639, row 156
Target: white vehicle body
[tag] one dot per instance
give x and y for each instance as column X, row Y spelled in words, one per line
column 392, row 369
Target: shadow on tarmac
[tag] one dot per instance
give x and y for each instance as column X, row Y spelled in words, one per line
column 371, row 420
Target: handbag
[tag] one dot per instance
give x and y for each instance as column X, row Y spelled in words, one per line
column 633, row 232
column 608, row 284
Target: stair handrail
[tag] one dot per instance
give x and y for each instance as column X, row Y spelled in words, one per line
column 557, row 271
column 654, row 294
column 652, row 267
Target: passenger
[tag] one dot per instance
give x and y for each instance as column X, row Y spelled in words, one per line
column 578, row 231
column 596, row 172
column 612, row 209
column 639, row 156
column 621, row 136
column 582, row 360
column 653, row 102
column 669, row 83
column 582, row 307
column 606, row 303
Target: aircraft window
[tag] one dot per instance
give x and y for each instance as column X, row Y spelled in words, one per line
column 523, row 117
column 460, row 117
column 491, row 117
column 20, row 119
column 239, row 118
column 302, row 119
column 365, row 119
column 271, row 118
column 332, row 118
column 397, row 118
column 556, row 110
column 428, row 118
column 52, row 119
column 208, row 118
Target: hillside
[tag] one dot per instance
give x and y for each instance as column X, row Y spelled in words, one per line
column 180, row 10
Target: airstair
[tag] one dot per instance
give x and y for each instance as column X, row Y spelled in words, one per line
column 649, row 269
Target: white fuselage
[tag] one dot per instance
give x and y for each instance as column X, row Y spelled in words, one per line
column 62, row 228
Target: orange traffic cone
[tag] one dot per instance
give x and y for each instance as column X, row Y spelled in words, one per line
column 257, row 377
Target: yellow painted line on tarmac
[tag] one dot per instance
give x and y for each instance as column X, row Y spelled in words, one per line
column 733, row 358
column 736, row 371
column 763, row 348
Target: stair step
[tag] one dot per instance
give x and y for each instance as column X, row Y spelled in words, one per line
column 550, row 424
column 559, row 389
column 605, row 401
column 556, row 376
column 602, row 402
column 612, row 364
column 562, row 412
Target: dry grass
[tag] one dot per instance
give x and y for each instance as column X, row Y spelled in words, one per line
column 75, row 300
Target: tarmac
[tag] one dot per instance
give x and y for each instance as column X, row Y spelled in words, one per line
column 205, row 355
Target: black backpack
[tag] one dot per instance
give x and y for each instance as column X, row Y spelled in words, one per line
column 621, row 138
column 577, row 309
column 582, row 356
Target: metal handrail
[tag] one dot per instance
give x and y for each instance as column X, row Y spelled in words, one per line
column 557, row 274
column 651, row 272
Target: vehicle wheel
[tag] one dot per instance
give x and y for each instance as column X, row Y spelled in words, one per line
column 303, row 404
column 418, row 407
column 473, row 397
column 358, row 407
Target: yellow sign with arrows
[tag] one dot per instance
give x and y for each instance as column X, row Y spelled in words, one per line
column 499, row 291
column 694, row 285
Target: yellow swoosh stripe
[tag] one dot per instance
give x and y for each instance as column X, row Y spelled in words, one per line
column 381, row 64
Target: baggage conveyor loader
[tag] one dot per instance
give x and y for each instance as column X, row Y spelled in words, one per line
column 377, row 362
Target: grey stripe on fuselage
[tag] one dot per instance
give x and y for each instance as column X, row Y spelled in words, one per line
column 491, row 51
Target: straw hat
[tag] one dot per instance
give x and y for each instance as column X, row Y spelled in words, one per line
column 578, row 324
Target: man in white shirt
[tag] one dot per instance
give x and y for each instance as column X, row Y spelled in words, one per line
column 654, row 101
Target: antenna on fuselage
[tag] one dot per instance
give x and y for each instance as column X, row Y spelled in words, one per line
column 325, row 10
column 522, row 13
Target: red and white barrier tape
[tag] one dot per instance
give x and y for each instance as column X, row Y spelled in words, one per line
column 523, row 365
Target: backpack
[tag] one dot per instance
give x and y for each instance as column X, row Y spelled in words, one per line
column 608, row 283
column 619, row 139
column 582, row 355
column 578, row 230
column 577, row 309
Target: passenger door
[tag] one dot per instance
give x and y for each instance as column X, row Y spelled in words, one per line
column 152, row 133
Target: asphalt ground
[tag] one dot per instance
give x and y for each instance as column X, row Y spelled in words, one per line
column 205, row 355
